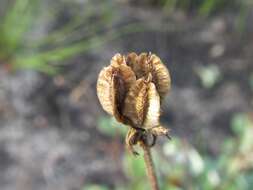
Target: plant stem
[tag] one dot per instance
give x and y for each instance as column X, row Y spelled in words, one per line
column 150, row 167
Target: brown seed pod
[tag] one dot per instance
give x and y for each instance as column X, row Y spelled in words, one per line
column 131, row 89
column 112, row 85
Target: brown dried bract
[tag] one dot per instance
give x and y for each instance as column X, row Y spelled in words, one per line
column 153, row 107
column 160, row 75
column 112, row 85
column 136, row 102
column 147, row 63
column 117, row 60
column 142, row 104
column 137, row 64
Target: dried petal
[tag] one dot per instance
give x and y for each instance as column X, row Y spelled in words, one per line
column 118, row 91
column 160, row 131
column 142, row 104
column 153, row 107
column 112, row 85
column 117, row 60
column 160, row 76
column 146, row 63
column 104, row 88
column 132, row 60
column 132, row 138
column 135, row 102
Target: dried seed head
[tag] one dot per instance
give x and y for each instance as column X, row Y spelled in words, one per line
column 112, row 85
column 146, row 63
column 131, row 89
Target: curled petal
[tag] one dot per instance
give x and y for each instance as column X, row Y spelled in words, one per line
column 104, row 89
column 135, row 102
column 160, row 76
column 160, row 131
column 132, row 60
column 142, row 104
column 147, row 63
column 132, row 138
column 112, row 85
column 117, row 60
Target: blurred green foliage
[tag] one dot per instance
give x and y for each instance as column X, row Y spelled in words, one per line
column 78, row 35
column 202, row 7
column 209, row 75
column 110, row 127
column 251, row 81
column 17, row 51
column 95, row 187
column 181, row 166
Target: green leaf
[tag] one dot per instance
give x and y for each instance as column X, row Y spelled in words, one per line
column 15, row 24
column 110, row 127
column 196, row 163
column 134, row 167
column 207, row 7
column 95, row 187
column 209, row 75
column 239, row 123
column 33, row 62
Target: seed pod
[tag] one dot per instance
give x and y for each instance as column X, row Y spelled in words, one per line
column 112, row 85
column 131, row 89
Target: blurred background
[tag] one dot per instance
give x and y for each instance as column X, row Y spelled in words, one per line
column 55, row 135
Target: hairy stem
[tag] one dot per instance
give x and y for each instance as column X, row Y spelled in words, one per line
column 150, row 167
